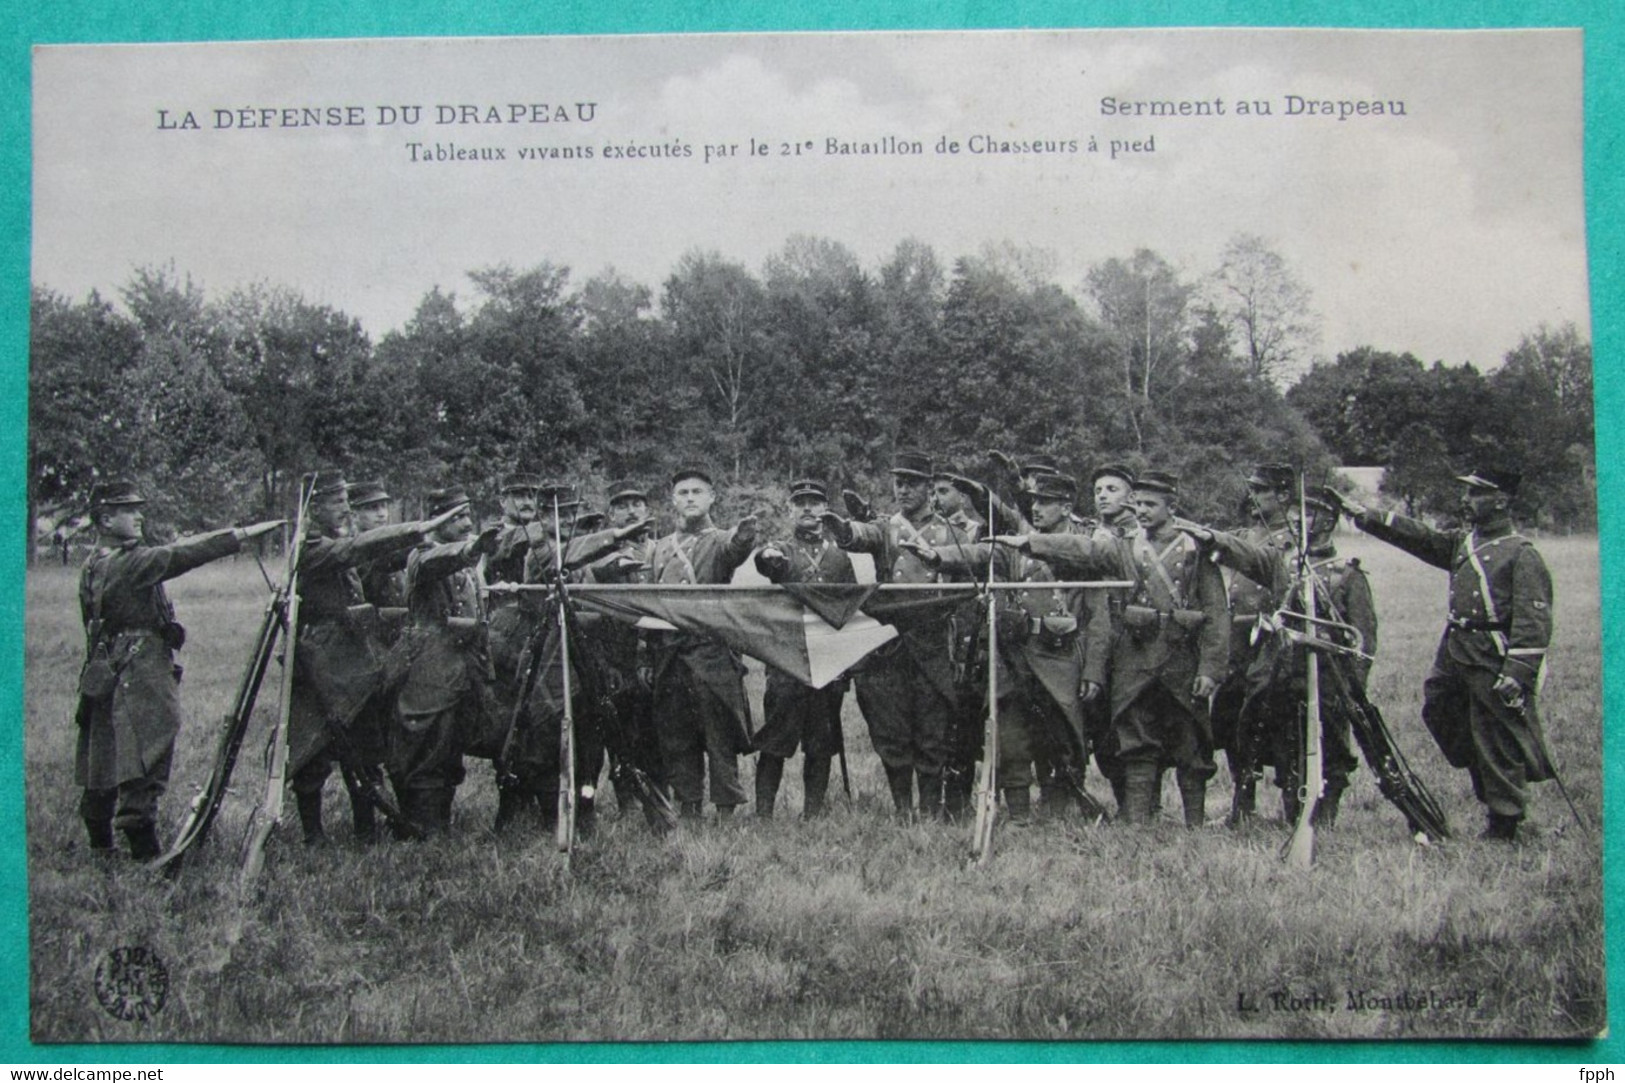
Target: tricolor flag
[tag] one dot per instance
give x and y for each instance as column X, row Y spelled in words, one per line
column 814, row 633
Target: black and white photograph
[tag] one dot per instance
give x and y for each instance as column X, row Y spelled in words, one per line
column 1048, row 535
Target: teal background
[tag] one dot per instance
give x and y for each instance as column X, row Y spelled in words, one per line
column 44, row 21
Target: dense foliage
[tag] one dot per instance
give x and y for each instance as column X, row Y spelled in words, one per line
column 813, row 364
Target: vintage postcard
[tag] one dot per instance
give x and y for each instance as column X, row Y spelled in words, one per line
column 656, row 447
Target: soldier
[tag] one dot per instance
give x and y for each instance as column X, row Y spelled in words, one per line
column 1243, row 724
column 129, row 688
column 1171, row 654
column 796, row 714
column 446, row 697
column 534, row 757
column 1054, row 646
column 1479, row 701
column 907, row 690
column 950, row 502
column 338, row 657
column 701, row 714
column 1272, row 714
column 383, row 579
column 621, row 646
column 514, row 620
column 1115, row 524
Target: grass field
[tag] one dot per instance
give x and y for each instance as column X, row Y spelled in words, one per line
column 850, row 927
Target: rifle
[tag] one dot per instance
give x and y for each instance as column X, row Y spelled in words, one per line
column 565, row 833
column 987, row 798
column 269, row 813
column 205, row 806
column 1300, row 848
column 618, row 743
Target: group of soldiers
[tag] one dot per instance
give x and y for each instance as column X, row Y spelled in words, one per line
column 413, row 651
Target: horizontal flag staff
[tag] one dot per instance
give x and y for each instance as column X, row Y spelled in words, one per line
column 772, row 588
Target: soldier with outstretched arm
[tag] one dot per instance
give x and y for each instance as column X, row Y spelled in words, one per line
column 339, row 654
column 1480, row 700
column 700, row 709
column 796, row 715
column 906, row 689
column 1171, row 653
column 129, row 688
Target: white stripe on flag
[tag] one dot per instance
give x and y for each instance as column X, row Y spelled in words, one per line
column 832, row 651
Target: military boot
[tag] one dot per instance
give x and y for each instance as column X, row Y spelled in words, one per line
column 814, row 786
column 1120, row 795
column 511, row 805
column 1139, row 791
column 144, row 842
column 1291, row 807
column 691, row 811
column 1501, row 828
column 1156, row 796
column 769, row 773
column 1052, row 799
column 901, row 782
column 1193, row 794
column 442, row 807
column 955, row 797
column 587, row 813
column 931, row 797
column 1018, row 803
column 101, row 834
column 310, row 818
column 1244, row 803
column 364, row 817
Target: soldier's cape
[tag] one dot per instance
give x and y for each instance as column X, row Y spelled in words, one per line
column 815, row 632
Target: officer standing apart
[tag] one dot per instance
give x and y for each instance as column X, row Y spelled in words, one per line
column 129, row 708
column 796, row 714
column 700, row 709
column 1479, row 701
column 447, row 694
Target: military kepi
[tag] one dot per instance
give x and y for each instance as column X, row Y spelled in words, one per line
column 1276, row 476
column 1054, row 487
column 809, row 487
column 115, row 493
column 363, row 493
column 1113, row 470
column 1491, row 480
column 684, row 473
column 442, row 500
column 912, row 464
column 326, row 483
column 522, row 483
column 626, row 489
column 1158, row 481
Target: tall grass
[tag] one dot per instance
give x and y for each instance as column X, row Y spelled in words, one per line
column 851, row 926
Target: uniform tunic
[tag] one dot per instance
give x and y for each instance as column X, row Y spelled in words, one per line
column 906, row 688
column 338, row 659
column 700, row 710
column 1500, row 624
column 446, row 696
column 126, row 739
column 1277, row 547
column 1175, row 629
column 797, row 715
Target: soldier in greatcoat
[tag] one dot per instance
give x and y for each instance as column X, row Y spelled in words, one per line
column 129, row 689
column 700, row 710
column 446, row 696
column 1243, row 722
column 1172, row 650
column 1114, row 525
column 383, row 579
column 1480, row 701
column 906, row 689
column 339, row 656
column 1053, row 646
column 1273, row 710
column 797, row 715
column 534, row 754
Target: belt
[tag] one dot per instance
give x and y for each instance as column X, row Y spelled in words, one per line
column 1473, row 624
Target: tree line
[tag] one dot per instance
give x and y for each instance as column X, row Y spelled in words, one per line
column 812, row 364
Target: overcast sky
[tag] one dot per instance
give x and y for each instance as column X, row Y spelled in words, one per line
column 1449, row 231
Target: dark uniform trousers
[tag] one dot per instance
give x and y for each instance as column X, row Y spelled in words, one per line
column 700, row 711
column 126, row 739
column 1500, row 625
column 796, row 715
column 906, row 689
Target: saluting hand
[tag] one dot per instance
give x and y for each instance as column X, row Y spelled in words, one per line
column 429, row 526
column 971, row 488
column 1005, row 461
column 840, row 529
column 1023, row 542
column 486, row 543
column 926, row 553
column 1195, row 530
column 254, row 530
column 632, row 530
column 745, row 530
column 1350, row 508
